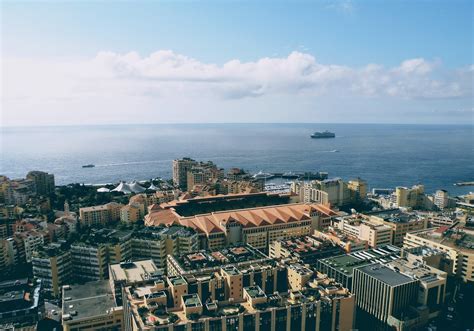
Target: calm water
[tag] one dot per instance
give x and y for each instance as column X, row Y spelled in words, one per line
column 384, row 155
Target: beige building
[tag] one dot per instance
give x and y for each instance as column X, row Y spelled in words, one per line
column 375, row 234
column 457, row 242
column 358, row 189
column 400, row 222
column 102, row 214
column 413, row 197
column 132, row 213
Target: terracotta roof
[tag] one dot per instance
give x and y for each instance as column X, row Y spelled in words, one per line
column 250, row 217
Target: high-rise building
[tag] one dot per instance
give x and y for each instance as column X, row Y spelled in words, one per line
column 44, row 182
column 413, row 197
column 358, row 189
column 441, row 199
column 180, row 172
column 332, row 191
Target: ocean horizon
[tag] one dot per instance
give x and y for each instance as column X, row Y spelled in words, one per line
column 386, row 155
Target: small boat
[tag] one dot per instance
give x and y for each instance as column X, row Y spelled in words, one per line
column 334, row 151
column 88, row 166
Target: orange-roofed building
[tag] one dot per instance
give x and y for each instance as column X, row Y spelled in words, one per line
column 257, row 226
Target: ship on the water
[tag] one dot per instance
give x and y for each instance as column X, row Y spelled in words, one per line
column 325, row 134
column 88, row 166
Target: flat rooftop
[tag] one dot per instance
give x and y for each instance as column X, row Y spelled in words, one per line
column 133, row 272
column 394, row 216
column 386, row 275
column 347, row 262
column 88, row 300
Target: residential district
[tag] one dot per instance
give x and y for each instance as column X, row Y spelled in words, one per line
column 226, row 250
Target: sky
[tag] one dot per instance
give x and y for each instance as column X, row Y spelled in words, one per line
column 109, row 62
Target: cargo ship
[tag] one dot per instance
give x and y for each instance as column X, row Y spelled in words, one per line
column 325, row 134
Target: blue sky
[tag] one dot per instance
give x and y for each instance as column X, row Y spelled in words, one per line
column 361, row 61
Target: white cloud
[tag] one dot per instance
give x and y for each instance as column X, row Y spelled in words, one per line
column 165, row 74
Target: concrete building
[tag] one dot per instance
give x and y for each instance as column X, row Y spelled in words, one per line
column 53, row 265
column 44, row 182
column 90, row 306
column 102, row 214
column 400, row 294
column 180, row 172
column 457, row 242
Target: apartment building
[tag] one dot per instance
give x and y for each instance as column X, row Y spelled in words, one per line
column 334, row 191
column 237, row 288
column 102, row 214
column 180, row 172
column 457, row 242
column 53, row 265
column 357, row 226
column 413, row 197
column 400, row 222
column 132, row 213
column 44, row 182
column 307, row 249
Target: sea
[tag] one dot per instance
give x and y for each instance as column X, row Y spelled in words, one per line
column 384, row 155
